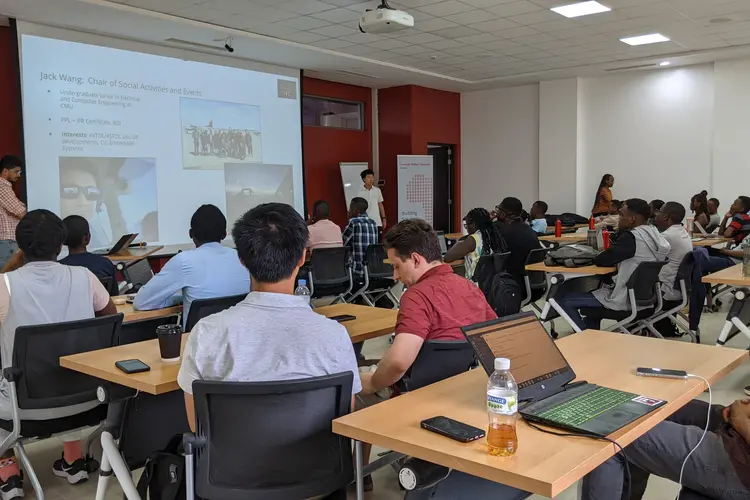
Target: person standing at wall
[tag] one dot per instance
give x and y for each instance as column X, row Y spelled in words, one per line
column 11, row 208
column 374, row 197
column 603, row 196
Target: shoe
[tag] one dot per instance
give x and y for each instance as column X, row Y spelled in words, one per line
column 747, row 390
column 75, row 473
column 367, row 481
column 12, row 488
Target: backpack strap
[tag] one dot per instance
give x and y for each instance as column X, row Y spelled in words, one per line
column 145, row 481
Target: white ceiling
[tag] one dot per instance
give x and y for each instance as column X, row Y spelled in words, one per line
column 455, row 44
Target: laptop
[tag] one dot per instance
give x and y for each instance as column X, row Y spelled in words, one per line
column 544, row 379
column 123, row 242
column 443, row 243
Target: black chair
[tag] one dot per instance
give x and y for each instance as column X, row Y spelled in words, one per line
column 269, row 440
column 139, row 331
column 110, row 284
column 136, row 273
column 437, row 360
column 201, row 308
column 378, row 278
column 644, row 297
column 38, row 382
column 331, row 273
column 536, row 284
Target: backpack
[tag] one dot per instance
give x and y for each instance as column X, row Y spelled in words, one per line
column 164, row 473
column 571, row 256
column 565, row 220
column 502, row 292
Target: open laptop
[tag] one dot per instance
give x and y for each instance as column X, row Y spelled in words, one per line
column 544, row 379
column 443, row 243
column 123, row 242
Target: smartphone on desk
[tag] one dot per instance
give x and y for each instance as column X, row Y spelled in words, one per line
column 661, row 372
column 131, row 366
column 453, row 429
column 130, row 298
column 343, row 317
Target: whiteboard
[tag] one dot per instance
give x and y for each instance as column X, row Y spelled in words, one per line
column 351, row 179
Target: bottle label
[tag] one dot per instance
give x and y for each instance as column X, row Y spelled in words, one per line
column 502, row 405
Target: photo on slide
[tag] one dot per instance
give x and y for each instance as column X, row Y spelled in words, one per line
column 116, row 196
column 248, row 185
column 215, row 133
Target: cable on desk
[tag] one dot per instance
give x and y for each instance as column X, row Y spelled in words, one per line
column 705, row 430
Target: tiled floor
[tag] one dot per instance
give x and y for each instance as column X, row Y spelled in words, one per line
column 386, row 485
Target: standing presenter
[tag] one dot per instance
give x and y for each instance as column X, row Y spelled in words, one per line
column 374, row 198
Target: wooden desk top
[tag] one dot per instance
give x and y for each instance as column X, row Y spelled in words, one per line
column 588, row 270
column 135, row 253
column 371, row 322
column 133, row 315
column 729, row 276
column 544, row 464
column 551, row 228
column 454, row 236
column 710, row 241
column 565, row 238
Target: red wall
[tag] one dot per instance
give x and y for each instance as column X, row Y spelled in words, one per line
column 10, row 95
column 324, row 148
column 394, row 138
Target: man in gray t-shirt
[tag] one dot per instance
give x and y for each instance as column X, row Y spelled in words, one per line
column 272, row 334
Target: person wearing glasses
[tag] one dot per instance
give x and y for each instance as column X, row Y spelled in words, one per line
column 80, row 194
column 11, row 208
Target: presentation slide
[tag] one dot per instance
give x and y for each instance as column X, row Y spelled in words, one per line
column 135, row 142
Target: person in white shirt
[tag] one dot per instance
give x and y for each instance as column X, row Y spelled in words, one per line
column 668, row 219
column 374, row 198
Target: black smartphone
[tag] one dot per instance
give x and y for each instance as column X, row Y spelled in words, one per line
column 453, row 429
column 130, row 299
column 661, row 372
column 343, row 317
column 130, row 366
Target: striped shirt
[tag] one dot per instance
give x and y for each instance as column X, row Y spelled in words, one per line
column 11, row 211
column 741, row 225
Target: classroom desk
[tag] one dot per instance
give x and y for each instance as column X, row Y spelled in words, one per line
column 134, row 253
column 710, row 241
column 583, row 271
column 133, row 315
column 454, row 236
column 544, row 464
column 738, row 317
column 729, row 276
column 565, row 239
column 371, row 322
column 551, row 228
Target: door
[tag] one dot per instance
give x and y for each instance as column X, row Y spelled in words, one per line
column 442, row 155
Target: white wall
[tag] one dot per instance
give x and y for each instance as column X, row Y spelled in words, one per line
column 500, row 146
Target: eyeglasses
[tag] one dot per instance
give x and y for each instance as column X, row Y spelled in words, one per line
column 72, row 191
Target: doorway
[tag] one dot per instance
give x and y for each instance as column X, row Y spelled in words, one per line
column 442, row 183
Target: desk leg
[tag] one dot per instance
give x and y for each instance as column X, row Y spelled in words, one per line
column 358, row 478
column 724, row 333
column 111, row 454
column 564, row 315
column 105, row 471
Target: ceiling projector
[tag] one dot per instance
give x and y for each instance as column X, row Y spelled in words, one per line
column 384, row 19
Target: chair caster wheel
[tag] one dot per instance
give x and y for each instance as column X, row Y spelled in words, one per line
column 92, row 464
column 553, row 334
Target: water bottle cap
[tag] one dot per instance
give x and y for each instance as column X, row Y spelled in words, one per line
column 502, row 364
column 302, row 283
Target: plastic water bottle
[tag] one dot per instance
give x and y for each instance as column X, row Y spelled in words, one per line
column 502, row 410
column 302, row 289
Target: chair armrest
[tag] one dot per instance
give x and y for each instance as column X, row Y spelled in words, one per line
column 12, row 374
column 191, row 442
column 420, row 475
column 108, row 392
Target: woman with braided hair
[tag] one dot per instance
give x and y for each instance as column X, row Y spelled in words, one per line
column 484, row 239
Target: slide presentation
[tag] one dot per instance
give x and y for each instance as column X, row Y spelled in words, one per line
column 135, row 142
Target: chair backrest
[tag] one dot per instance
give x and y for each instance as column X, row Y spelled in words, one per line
column 436, row 361
column 139, row 331
column 138, row 273
column 272, row 440
column 110, row 284
column 330, row 266
column 37, row 349
column 685, row 272
column 201, row 308
column 643, row 282
column 537, row 278
column 375, row 256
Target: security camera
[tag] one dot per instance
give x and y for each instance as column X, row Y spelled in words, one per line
column 228, row 44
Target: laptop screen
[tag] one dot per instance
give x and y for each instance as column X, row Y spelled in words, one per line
column 443, row 243
column 534, row 357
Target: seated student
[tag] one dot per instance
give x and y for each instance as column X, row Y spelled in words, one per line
column 654, row 205
column 209, row 271
column 78, row 238
column 736, row 223
column 538, row 213
column 38, row 283
column 272, row 334
column 637, row 242
column 484, row 239
column 699, row 206
column 717, row 469
column 360, row 233
column 613, row 218
column 521, row 239
column 323, row 232
column 714, row 219
column 668, row 220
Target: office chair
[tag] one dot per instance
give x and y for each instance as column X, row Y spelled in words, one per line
column 331, row 273
column 378, row 278
column 536, row 285
column 269, row 440
column 201, row 308
column 37, row 381
column 110, row 284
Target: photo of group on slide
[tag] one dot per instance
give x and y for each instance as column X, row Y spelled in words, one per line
column 216, row 132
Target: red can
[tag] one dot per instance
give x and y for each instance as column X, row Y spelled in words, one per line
column 592, row 223
column 605, row 238
column 558, row 228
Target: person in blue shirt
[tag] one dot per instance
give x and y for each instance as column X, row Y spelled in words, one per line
column 77, row 240
column 210, row 271
column 538, row 213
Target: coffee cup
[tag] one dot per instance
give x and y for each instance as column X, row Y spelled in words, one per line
column 170, row 341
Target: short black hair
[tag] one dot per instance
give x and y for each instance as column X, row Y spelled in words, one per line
column 715, row 200
column 208, row 224
column 745, row 203
column 413, row 236
column 704, row 193
column 40, row 235
column 639, row 207
column 616, row 203
column 77, row 228
column 366, row 172
column 9, row 162
column 674, row 210
column 657, row 204
column 270, row 241
column 512, row 206
column 542, row 206
column 321, row 209
column 360, row 205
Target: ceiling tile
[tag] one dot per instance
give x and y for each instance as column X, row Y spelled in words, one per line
column 500, row 45
column 487, row 3
column 465, row 50
column 411, row 50
column 494, row 26
column 518, row 31
column 443, row 44
column 337, row 15
column 446, row 8
column 413, row 3
column 341, row 3
column 458, row 32
column 477, row 39
column 332, row 43
column 303, row 23
column 361, row 38
column 271, row 30
column 514, row 8
column 421, row 38
column 304, row 37
column 540, row 16
column 306, row 6
column 435, row 24
column 471, row 17
column 391, row 44
column 360, row 50
column 562, row 24
column 335, row 30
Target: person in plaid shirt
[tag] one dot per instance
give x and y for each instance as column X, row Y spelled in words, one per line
column 360, row 233
column 11, row 208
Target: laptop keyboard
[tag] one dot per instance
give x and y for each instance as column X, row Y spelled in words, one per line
column 588, row 406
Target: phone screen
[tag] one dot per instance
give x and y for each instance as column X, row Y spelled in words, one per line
column 662, row 372
column 452, row 428
column 343, row 317
column 132, row 366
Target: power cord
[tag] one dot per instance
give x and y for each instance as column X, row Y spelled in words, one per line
column 597, row 438
column 705, row 430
